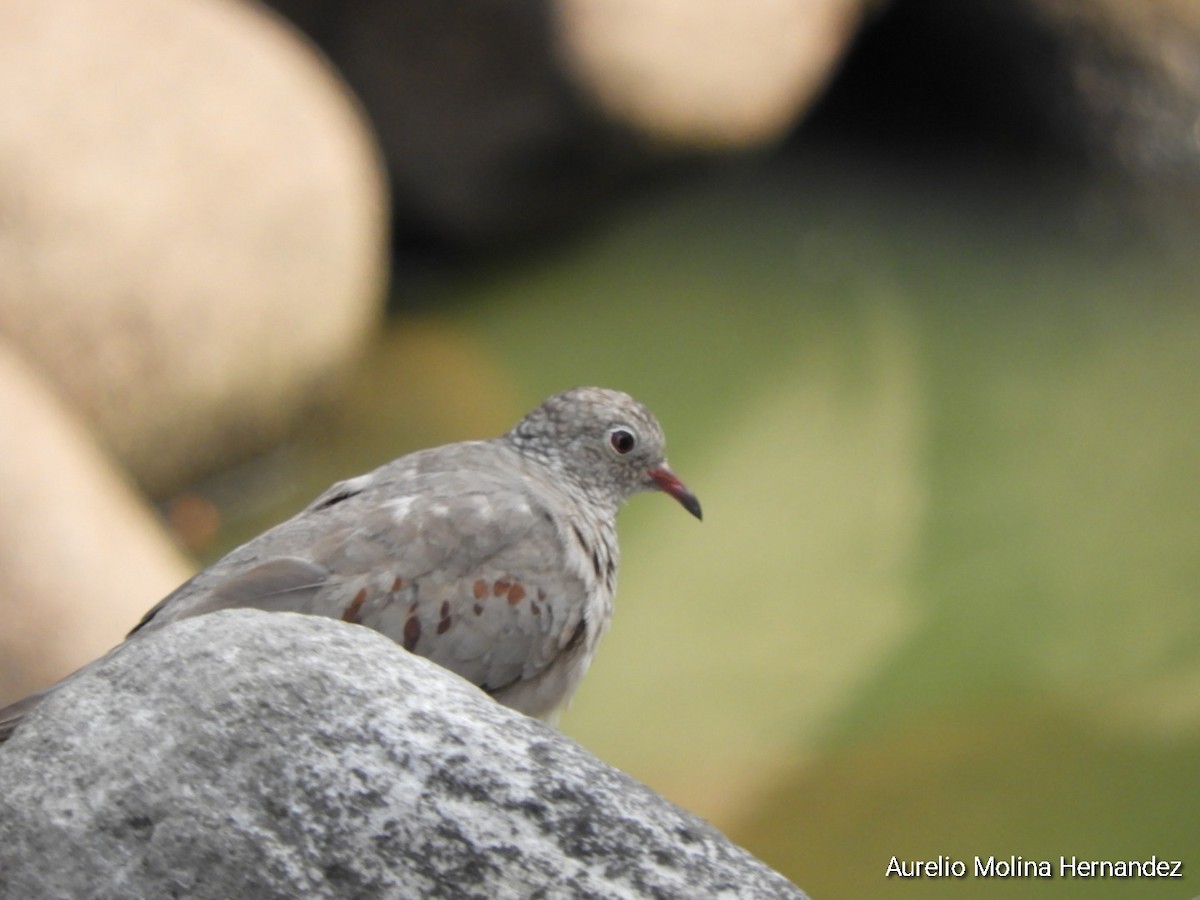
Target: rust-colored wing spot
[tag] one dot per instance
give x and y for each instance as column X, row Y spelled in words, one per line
column 516, row 593
column 412, row 632
column 480, row 589
column 350, row 613
column 398, row 585
column 444, row 622
column 501, row 586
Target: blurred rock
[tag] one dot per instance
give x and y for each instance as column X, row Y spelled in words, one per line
column 706, row 74
column 318, row 759
column 483, row 134
column 1136, row 72
column 499, row 116
column 192, row 223
column 81, row 556
column 1089, row 87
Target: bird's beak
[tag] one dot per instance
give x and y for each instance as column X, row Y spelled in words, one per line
column 666, row 480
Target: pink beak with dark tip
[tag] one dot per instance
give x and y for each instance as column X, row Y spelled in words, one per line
column 669, row 482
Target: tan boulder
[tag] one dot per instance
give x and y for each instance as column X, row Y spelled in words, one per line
column 82, row 557
column 192, row 222
column 706, row 74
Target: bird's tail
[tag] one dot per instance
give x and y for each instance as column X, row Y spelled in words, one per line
column 11, row 716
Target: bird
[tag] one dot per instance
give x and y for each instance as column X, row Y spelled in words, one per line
column 496, row 559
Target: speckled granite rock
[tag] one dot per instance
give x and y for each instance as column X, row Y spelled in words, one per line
column 250, row 754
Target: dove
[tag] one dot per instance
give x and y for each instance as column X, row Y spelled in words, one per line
column 496, row 559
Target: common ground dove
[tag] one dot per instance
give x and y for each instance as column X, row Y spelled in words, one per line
column 496, row 559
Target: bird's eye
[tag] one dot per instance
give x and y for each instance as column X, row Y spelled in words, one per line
column 622, row 440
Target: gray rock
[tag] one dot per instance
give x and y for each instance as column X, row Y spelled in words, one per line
column 253, row 755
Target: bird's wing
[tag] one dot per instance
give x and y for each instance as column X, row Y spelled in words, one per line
column 473, row 579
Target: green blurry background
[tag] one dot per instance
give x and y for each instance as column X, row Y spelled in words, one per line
column 944, row 599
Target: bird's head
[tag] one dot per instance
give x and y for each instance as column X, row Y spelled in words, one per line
column 603, row 441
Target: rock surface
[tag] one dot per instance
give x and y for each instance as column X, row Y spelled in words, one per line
column 250, row 754
column 192, row 222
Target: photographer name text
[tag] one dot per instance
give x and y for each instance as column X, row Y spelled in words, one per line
column 1020, row 867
